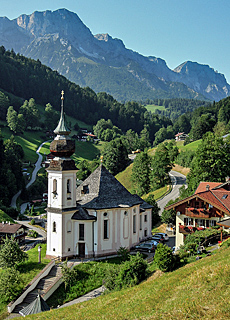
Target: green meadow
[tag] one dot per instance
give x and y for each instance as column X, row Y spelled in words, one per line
column 153, row 107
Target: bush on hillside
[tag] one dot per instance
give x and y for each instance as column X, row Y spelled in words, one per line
column 123, row 253
column 164, row 258
column 131, row 272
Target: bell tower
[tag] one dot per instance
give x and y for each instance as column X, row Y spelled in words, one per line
column 61, row 191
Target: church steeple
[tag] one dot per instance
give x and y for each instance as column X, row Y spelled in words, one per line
column 62, row 145
column 62, row 128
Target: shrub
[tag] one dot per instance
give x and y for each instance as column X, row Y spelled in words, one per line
column 111, row 274
column 32, row 222
column 164, row 258
column 69, row 276
column 33, row 233
column 132, row 272
column 123, row 253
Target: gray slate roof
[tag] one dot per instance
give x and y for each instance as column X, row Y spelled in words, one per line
column 37, row 306
column 61, row 127
column 101, row 190
column 82, row 214
column 144, row 205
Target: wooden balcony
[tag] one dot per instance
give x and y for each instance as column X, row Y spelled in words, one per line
column 199, row 213
column 186, row 229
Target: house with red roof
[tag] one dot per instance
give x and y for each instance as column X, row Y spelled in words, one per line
column 207, row 207
column 181, row 136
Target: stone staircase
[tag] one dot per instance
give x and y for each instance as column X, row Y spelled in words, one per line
column 41, row 288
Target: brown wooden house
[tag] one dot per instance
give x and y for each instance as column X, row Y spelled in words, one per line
column 8, row 229
column 209, row 205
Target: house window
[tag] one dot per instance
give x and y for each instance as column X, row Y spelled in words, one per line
column 212, row 223
column 105, row 214
column 53, row 249
column 196, row 204
column 68, row 189
column 140, row 221
column 200, row 222
column 81, row 231
column 134, row 210
column 188, row 221
column 106, row 229
column 54, row 226
column 146, row 218
column 145, row 232
column 125, row 213
column 68, row 249
column 134, row 224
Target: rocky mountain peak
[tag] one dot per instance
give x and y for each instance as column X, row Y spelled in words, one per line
column 60, row 40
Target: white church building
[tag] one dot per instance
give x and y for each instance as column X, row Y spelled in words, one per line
column 95, row 219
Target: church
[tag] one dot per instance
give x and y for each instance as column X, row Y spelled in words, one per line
column 96, row 218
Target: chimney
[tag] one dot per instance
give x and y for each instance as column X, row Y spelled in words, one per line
column 207, row 187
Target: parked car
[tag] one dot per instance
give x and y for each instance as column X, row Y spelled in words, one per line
column 164, row 235
column 157, row 238
column 145, row 246
column 153, row 242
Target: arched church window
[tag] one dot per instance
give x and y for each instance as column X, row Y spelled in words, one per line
column 54, row 226
column 69, row 226
column 68, row 189
column 54, row 187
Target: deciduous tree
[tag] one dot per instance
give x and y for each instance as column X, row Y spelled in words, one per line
column 211, row 163
column 141, row 173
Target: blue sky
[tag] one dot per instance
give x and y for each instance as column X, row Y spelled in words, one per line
column 174, row 30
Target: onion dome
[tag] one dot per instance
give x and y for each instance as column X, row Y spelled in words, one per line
column 62, row 145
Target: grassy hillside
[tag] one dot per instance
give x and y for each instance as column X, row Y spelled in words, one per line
column 191, row 146
column 4, row 217
column 198, row 290
column 153, row 107
column 124, row 177
column 31, row 140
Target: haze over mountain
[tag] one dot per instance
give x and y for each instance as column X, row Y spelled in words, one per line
column 60, row 40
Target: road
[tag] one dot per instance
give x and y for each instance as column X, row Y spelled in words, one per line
column 33, row 177
column 178, row 180
column 42, row 233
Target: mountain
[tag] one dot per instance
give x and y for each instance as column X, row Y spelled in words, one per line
column 60, row 40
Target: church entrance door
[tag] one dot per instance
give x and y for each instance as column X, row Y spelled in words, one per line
column 81, row 250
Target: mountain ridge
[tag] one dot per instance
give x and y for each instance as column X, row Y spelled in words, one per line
column 61, row 40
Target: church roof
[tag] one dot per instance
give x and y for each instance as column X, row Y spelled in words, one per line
column 144, row 205
column 61, row 127
column 101, row 190
column 82, row 214
column 37, row 306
